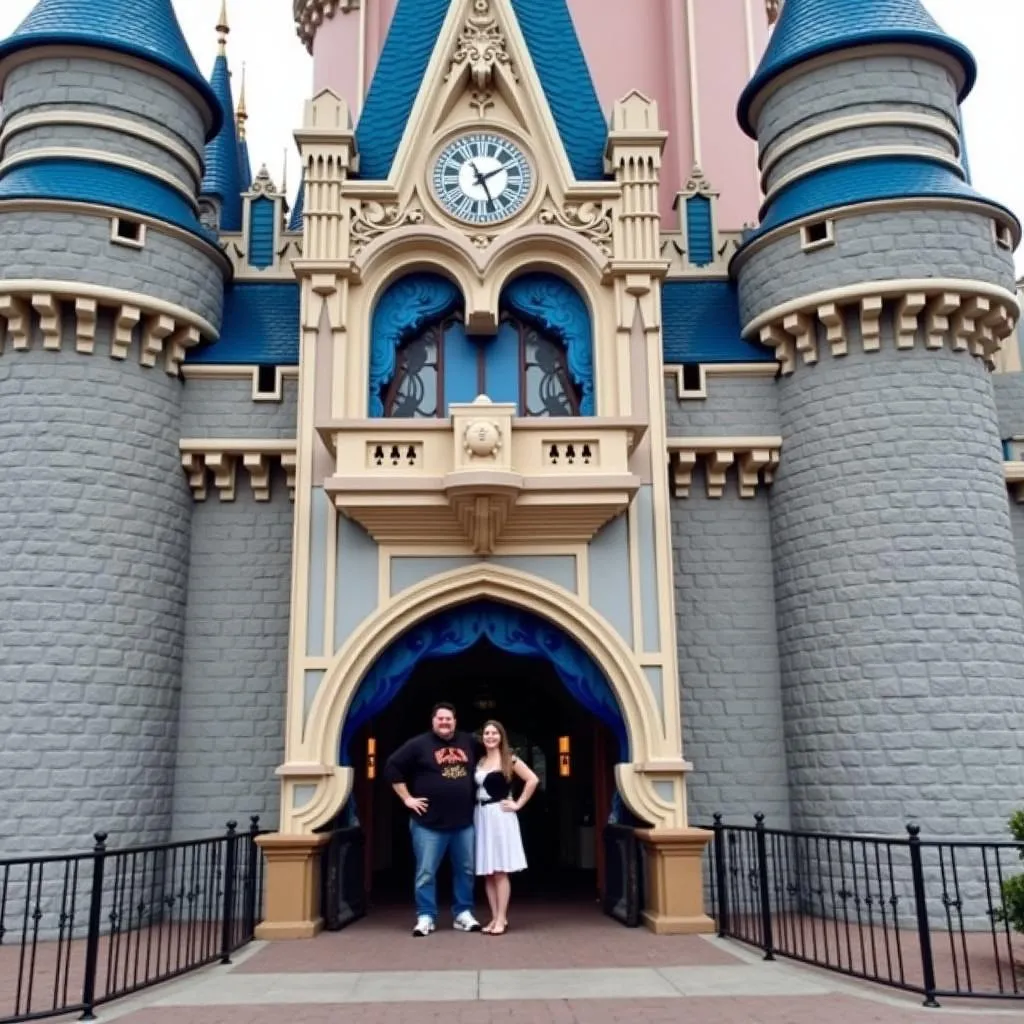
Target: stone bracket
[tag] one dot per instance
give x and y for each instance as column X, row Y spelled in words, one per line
column 221, row 458
column 922, row 312
column 49, row 310
column 754, row 458
column 1015, row 480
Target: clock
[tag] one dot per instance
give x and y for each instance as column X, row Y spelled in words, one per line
column 482, row 178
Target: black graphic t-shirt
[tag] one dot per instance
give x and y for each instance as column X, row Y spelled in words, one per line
column 442, row 771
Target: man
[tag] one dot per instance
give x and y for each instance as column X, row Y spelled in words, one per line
column 433, row 776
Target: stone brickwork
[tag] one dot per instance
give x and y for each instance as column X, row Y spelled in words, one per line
column 728, row 657
column 858, row 84
column 74, row 136
column 901, row 627
column 1009, row 388
column 1017, row 519
column 860, row 138
column 735, row 406
column 225, row 408
column 96, row 85
column 231, row 728
column 875, row 247
column 94, row 543
column 75, row 247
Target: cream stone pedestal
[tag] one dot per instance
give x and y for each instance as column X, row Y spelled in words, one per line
column 674, row 880
column 292, row 897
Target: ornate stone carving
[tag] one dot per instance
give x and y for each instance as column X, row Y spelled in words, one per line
column 222, row 458
column 592, row 220
column 482, row 439
column 481, row 45
column 373, row 219
column 263, row 184
column 772, row 9
column 311, row 14
column 755, row 459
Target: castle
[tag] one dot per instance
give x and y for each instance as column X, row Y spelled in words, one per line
column 644, row 374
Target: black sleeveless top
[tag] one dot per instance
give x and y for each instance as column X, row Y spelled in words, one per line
column 496, row 786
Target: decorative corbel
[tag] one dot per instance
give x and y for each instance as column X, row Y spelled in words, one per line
column 85, row 325
column 48, row 310
column 126, row 319
column 15, row 312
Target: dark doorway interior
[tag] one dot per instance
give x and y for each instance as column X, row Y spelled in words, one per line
column 559, row 824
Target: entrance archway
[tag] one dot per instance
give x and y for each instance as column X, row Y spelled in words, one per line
column 650, row 781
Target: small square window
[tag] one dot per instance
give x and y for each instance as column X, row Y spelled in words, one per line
column 817, row 235
column 1004, row 236
column 266, row 383
column 127, row 231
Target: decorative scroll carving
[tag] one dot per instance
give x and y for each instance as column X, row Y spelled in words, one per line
column 311, row 14
column 592, row 220
column 221, row 459
column 481, row 45
column 755, row 459
column 373, row 219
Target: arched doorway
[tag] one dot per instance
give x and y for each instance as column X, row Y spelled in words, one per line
column 492, row 660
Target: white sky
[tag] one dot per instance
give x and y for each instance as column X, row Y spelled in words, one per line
column 279, row 79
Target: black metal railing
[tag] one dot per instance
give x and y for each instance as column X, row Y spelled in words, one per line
column 79, row 930
column 343, row 878
column 622, row 881
column 922, row 915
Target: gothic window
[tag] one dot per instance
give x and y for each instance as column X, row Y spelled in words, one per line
column 417, row 388
column 545, row 387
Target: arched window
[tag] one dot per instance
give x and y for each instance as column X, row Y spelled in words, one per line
column 417, row 388
column 545, row 387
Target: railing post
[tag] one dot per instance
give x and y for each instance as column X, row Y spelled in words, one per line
column 721, row 888
column 251, row 895
column 924, row 934
column 228, row 910
column 765, row 892
column 92, row 938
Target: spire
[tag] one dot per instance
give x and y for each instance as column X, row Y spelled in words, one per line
column 811, row 28
column 241, row 117
column 241, row 113
column 145, row 29
column 223, row 154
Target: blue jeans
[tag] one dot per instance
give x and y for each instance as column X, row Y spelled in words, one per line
column 429, row 847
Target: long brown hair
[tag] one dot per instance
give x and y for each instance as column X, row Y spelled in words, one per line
column 503, row 748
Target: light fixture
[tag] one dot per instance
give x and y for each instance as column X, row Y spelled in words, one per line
column 371, row 758
column 564, row 757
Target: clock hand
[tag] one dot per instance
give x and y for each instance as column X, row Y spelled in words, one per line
column 491, row 174
column 482, row 181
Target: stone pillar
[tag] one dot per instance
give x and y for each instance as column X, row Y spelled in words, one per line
column 292, row 898
column 674, row 881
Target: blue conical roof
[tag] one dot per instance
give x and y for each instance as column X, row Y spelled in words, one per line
column 147, row 29
column 810, row 28
column 223, row 170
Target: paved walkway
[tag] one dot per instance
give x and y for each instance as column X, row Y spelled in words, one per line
column 564, row 966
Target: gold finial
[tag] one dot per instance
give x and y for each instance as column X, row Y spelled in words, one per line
column 241, row 114
column 284, row 174
column 223, row 28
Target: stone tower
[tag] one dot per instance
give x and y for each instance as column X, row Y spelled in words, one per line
column 885, row 285
column 108, row 277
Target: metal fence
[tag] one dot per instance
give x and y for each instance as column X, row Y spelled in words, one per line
column 922, row 915
column 79, row 930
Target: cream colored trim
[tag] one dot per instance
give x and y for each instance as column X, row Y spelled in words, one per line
column 361, row 86
column 211, row 371
column 36, row 119
column 674, row 372
column 876, row 119
column 655, row 756
column 875, row 206
column 131, row 243
column 221, row 457
column 755, row 459
column 331, row 577
column 97, row 210
column 1015, row 479
column 902, row 50
column 99, row 156
column 691, row 47
column 864, row 153
column 809, row 244
column 970, row 316
column 635, row 604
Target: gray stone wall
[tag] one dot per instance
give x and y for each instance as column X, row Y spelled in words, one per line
column 860, row 84
column 728, row 657
column 875, row 247
column 225, row 408
column 1009, row 389
column 94, row 543
column 901, row 627
column 73, row 136
column 97, row 85
column 735, row 406
column 73, row 247
column 860, row 138
column 231, row 727
column 1017, row 519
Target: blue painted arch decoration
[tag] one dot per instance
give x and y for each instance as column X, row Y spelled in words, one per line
column 513, row 631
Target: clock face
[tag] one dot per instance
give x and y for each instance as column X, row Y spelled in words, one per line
column 482, row 178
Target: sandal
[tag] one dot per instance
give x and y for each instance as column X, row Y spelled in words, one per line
column 500, row 930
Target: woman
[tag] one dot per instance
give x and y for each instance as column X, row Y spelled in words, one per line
column 499, row 846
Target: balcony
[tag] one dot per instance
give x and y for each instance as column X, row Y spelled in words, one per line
column 484, row 476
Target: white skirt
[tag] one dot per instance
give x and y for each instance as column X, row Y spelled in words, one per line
column 499, row 845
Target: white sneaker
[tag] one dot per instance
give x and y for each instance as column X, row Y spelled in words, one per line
column 466, row 922
column 424, row 926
